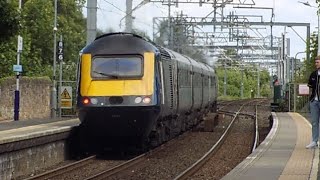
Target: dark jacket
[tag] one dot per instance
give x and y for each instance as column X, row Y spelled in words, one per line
column 314, row 84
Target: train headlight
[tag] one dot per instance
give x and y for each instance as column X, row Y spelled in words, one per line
column 146, row 100
column 138, row 100
column 94, row 100
column 85, row 100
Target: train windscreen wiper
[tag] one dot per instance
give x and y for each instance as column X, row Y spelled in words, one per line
column 106, row 74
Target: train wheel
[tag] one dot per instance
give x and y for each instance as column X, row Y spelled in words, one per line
column 155, row 138
column 183, row 124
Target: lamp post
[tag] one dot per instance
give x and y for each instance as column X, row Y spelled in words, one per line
column 53, row 89
column 307, row 4
column 18, row 68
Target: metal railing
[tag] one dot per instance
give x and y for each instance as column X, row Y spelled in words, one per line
column 296, row 102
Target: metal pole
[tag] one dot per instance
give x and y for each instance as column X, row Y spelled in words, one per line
column 294, row 97
column 287, row 60
column 258, row 81
column 289, row 100
column 60, row 82
column 292, row 63
column 17, row 92
column 318, row 34
column 283, row 60
column 279, row 63
column 169, row 25
column 271, row 43
column 91, row 21
column 242, row 82
column 53, row 89
column 128, row 16
column 225, row 80
column 308, row 41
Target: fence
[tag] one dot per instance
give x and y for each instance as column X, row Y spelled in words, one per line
column 297, row 98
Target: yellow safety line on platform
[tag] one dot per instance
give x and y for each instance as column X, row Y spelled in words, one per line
column 302, row 163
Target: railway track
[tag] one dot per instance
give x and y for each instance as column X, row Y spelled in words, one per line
column 117, row 169
column 66, row 172
column 63, row 170
column 131, row 168
column 71, row 170
column 197, row 165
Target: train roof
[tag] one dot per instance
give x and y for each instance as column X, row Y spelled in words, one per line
column 119, row 43
column 197, row 66
column 120, row 33
column 129, row 43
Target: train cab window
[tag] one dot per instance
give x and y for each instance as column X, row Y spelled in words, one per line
column 117, row 67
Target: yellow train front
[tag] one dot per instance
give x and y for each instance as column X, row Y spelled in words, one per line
column 133, row 92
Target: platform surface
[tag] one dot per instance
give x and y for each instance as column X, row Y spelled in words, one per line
column 282, row 155
column 11, row 131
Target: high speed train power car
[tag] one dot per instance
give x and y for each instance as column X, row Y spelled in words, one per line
column 134, row 92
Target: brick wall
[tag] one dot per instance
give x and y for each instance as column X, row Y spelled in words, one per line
column 34, row 98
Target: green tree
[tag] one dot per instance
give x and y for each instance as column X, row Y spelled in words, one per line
column 9, row 21
column 250, row 79
column 7, row 57
column 37, row 21
column 72, row 27
column 163, row 37
column 309, row 65
column 9, row 27
column 37, row 28
column 303, row 72
column 265, row 84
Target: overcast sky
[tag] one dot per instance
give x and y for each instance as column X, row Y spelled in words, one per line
column 110, row 12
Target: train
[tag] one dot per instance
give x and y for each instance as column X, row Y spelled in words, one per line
column 133, row 92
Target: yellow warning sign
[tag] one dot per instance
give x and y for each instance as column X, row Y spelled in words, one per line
column 66, row 104
column 65, row 94
column 66, row 97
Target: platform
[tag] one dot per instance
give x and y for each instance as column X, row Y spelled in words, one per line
column 282, row 155
column 11, row 131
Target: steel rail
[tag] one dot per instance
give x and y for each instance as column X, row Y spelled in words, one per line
column 232, row 113
column 117, row 169
column 63, row 170
column 198, row 164
column 256, row 138
column 123, row 166
column 223, row 104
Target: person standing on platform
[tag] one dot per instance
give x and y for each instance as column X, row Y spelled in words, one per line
column 314, row 84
